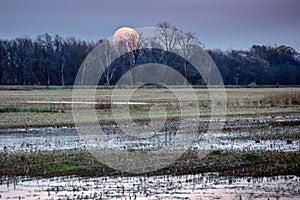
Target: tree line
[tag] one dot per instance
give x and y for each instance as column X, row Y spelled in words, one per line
column 53, row 60
column 47, row 60
column 261, row 65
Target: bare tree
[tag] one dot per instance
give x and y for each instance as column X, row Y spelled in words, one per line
column 2, row 60
column 171, row 39
column 167, row 39
column 60, row 57
column 129, row 46
column 187, row 44
column 107, row 55
column 167, row 36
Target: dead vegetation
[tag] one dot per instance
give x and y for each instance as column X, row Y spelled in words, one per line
column 282, row 99
column 40, row 108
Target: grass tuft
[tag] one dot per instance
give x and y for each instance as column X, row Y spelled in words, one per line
column 23, row 158
column 251, row 156
column 215, row 152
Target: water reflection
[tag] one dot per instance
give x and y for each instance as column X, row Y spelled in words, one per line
column 200, row 186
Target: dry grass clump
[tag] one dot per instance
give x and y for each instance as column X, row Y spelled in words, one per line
column 282, row 99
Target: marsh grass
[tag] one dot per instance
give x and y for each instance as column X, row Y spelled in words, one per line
column 57, row 167
column 140, row 151
column 237, row 163
column 282, row 99
column 62, row 166
column 30, row 109
column 251, row 156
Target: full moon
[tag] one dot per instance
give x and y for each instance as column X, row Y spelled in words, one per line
column 126, row 37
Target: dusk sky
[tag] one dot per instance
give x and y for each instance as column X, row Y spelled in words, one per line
column 222, row 24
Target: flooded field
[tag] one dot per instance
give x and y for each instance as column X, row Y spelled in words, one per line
column 254, row 155
column 240, row 133
column 199, row 186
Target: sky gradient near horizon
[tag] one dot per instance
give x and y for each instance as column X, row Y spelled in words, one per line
column 223, row 24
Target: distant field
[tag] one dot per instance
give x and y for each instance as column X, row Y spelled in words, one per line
column 27, row 107
column 259, row 137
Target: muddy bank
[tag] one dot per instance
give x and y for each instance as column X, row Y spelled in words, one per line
column 82, row 163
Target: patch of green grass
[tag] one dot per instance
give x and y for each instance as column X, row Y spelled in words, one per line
column 173, row 112
column 288, row 161
column 145, row 151
column 205, row 106
column 215, row 152
column 23, row 158
column 42, row 110
column 131, row 150
column 140, row 151
column 55, row 87
column 42, row 164
column 67, row 167
column 251, row 156
column 59, row 167
column 11, row 109
column 78, row 158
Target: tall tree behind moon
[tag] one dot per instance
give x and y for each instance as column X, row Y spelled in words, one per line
column 126, row 39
